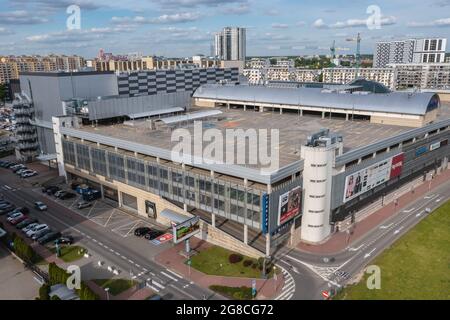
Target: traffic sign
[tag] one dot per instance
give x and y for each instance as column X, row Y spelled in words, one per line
column 325, row 294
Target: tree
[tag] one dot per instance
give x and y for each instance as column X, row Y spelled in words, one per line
column 44, row 292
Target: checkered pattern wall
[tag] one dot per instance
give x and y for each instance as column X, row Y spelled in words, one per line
column 168, row 81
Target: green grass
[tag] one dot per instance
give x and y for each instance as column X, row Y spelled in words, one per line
column 70, row 253
column 214, row 261
column 115, row 286
column 417, row 266
column 237, row 293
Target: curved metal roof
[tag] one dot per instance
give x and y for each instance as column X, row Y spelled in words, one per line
column 392, row 102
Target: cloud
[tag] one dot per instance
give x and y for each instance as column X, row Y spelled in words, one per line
column 442, row 3
column 4, row 31
column 280, row 25
column 238, row 10
column 445, row 22
column 272, row 12
column 197, row 3
column 166, row 18
column 352, row 23
column 72, row 36
column 20, row 17
column 59, row 4
column 301, row 24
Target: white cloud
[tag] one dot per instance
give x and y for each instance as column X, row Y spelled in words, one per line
column 4, row 31
column 445, row 22
column 20, row 17
column 352, row 23
column 238, row 10
column 73, row 36
column 166, row 18
column 280, row 25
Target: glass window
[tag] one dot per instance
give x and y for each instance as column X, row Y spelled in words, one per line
column 129, row 201
column 164, row 174
column 177, row 177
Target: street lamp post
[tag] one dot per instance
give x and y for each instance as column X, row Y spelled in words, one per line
column 107, row 293
column 275, row 278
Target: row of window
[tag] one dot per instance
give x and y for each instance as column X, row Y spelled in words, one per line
column 231, row 201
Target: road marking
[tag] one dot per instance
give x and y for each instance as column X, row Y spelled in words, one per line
column 438, row 200
column 157, row 284
column 176, row 274
column 419, row 214
column 356, row 249
column 369, row 253
column 398, row 230
column 289, row 286
column 184, row 292
column 409, row 210
column 152, row 287
column 169, row 276
column 385, row 227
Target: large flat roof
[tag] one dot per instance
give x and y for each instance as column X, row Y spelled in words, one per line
column 293, row 132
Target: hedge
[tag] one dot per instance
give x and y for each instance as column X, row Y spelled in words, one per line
column 44, row 292
column 59, row 275
column 24, row 251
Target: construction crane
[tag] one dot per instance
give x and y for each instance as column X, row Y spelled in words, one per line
column 358, row 50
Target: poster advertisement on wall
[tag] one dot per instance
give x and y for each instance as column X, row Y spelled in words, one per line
column 289, row 205
column 368, row 178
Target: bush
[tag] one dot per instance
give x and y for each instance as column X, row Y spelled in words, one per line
column 247, row 263
column 55, row 297
column 44, row 292
column 24, row 251
column 240, row 293
column 254, row 266
column 235, row 258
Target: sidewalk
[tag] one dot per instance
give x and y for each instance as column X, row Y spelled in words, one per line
column 339, row 241
column 266, row 288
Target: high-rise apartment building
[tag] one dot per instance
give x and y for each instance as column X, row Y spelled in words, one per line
column 11, row 66
column 427, row 50
column 230, row 43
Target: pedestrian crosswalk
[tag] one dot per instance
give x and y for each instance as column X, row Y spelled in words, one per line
column 289, row 286
column 156, row 286
column 8, row 188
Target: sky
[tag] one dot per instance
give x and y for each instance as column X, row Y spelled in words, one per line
column 182, row 28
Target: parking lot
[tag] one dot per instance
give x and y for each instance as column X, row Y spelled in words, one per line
column 105, row 214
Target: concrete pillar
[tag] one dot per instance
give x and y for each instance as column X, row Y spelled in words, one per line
column 245, row 234
column 102, row 191
column 212, row 173
column 228, row 106
column 346, row 117
column 119, row 195
column 301, row 112
column 245, row 181
column 245, row 107
column 268, row 244
column 261, row 109
column 281, row 110
column 213, row 220
column 184, row 206
column 323, row 114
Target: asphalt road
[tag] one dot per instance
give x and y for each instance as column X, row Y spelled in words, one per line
column 312, row 275
column 126, row 254
column 307, row 274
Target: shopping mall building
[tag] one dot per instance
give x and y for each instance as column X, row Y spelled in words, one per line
column 336, row 152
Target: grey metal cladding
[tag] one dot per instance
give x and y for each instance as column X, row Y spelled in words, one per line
column 394, row 102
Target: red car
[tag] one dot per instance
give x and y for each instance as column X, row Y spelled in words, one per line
column 18, row 220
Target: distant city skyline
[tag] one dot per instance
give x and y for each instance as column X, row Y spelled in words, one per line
column 179, row 28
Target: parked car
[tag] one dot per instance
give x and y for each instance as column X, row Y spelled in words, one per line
column 40, row 206
column 140, row 232
column 3, row 202
column 64, row 240
column 41, row 233
column 83, row 204
column 37, row 228
column 18, row 219
column 67, row 195
column 53, row 235
column 19, row 172
column 24, row 210
column 17, row 167
column 14, row 215
column 52, row 189
column 59, row 192
column 29, row 174
column 92, row 195
column 26, row 222
column 45, row 188
column 74, row 185
column 30, row 226
column 10, row 164
column 153, row 234
column 7, row 208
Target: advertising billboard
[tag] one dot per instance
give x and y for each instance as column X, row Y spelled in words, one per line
column 289, row 205
column 186, row 229
column 368, row 178
column 421, row 150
